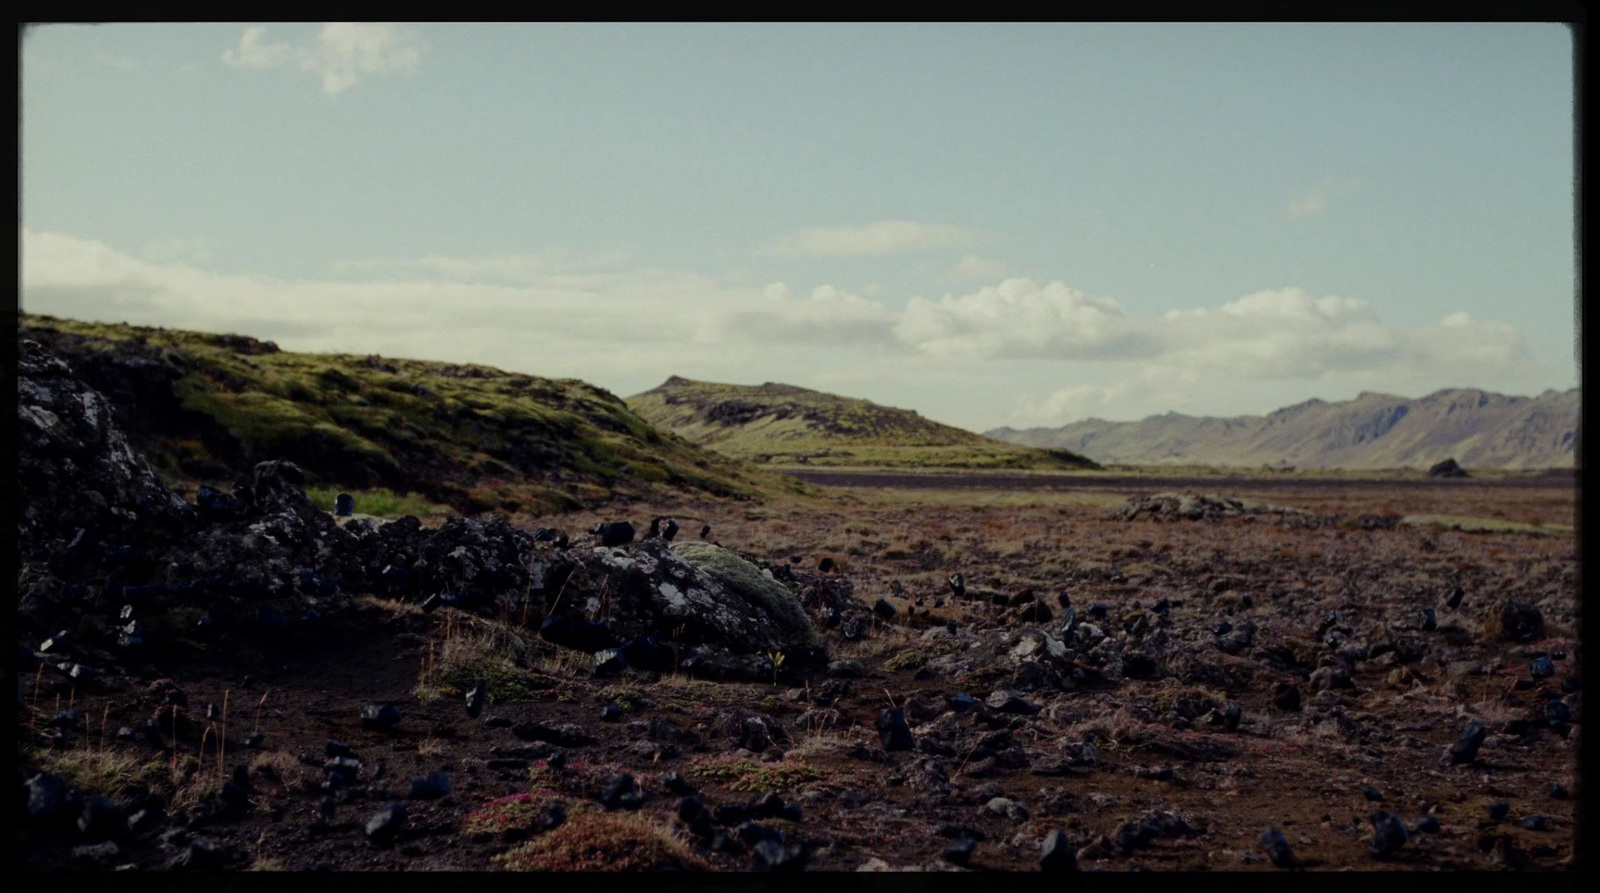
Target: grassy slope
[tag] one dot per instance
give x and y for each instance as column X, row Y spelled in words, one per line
column 783, row 425
column 470, row 436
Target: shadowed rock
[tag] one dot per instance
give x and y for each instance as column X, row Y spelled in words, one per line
column 1465, row 748
column 1277, row 847
column 1447, row 469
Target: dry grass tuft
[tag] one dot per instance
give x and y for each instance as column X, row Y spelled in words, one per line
column 603, row 841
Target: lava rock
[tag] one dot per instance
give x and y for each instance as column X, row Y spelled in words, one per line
column 337, row 749
column 47, row 797
column 825, row 565
column 1277, row 847
column 475, row 699
column 846, row 669
column 386, row 824
column 1499, row 811
column 622, row 793
column 1230, row 716
column 609, row 662
column 430, row 787
column 1426, row 825
column 893, row 731
column 771, row 855
column 1373, row 794
column 1465, row 749
column 1542, row 668
column 1453, row 600
column 617, row 533
column 381, row 717
column 883, row 609
column 1388, row 834
column 1286, row 697
column 100, row 819
column 565, row 734
column 674, row 783
column 1558, row 791
column 1011, row 702
column 254, row 739
column 1056, row 854
column 958, row 585
column 1536, row 823
column 960, row 852
column 1430, row 620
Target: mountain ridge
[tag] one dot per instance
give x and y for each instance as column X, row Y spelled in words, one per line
column 1372, row 430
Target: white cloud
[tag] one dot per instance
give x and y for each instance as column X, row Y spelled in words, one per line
column 557, row 313
column 1316, row 200
column 1016, row 319
column 882, row 237
column 342, row 53
column 974, row 267
column 194, row 251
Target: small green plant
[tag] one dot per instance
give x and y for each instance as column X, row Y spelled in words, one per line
column 777, row 661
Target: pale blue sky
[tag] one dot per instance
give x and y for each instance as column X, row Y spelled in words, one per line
column 992, row 224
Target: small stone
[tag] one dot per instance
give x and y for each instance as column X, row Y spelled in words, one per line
column 1230, row 716
column 1373, row 794
column 883, row 609
column 100, row 819
column 622, row 793
column 99, row 855
column 1056, row 854
column 893, row 731
column 1453, row 600
column 254, row 739
column 1286, row 697
column 825, row 565
column 1499, row 811
column 1011, row 702
column 1542, row 668
column 674, row 783
column 960, row 852
column 1426, row 825
column 1465, row 749
column 1558, row 791
column 846, row 669
column 1536, row 823
column 1388, row 834
column 386, row 824
column 430, row 787
column 771, row 855
column 475, row 698
column 1277, row 847
column 380, row 716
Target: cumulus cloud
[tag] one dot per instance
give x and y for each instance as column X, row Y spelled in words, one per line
column 882, row 237
column 341, row 54
column 828, row 317
column 1017, row 319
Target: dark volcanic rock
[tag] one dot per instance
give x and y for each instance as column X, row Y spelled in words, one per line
column 380, row 716
column 1277, row 847
column 1056, row 854
column 1286, row 696
column 1388, row 834
column 772, row 855
column 960, row 852
column 430, row 787
column 386, row 824
column 893, row 731
column 1465, row 749
column 1447, row 469
column 617, row 533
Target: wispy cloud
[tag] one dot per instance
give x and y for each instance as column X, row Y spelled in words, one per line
column 342, row 53
column 529, row 267
column 1316, row 200
column 882, row 237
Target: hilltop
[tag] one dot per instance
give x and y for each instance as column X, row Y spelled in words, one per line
column 779, row 424
column 1478, row 428
column 206, row 407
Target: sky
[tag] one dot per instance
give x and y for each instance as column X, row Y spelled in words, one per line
column 991, row 224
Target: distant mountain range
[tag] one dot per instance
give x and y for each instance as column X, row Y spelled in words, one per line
column 1477, row 428
column 779, row 424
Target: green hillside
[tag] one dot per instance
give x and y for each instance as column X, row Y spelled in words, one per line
column 205, row 407
column 783, row 425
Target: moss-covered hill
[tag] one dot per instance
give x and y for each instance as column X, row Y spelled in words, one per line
column 205, row 407
column 784, row 425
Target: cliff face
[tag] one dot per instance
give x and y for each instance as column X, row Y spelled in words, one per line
column 1478, row 428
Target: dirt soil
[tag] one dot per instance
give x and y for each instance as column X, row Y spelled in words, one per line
column 1302, row 770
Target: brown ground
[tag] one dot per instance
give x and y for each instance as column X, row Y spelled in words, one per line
column 1291, row 769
